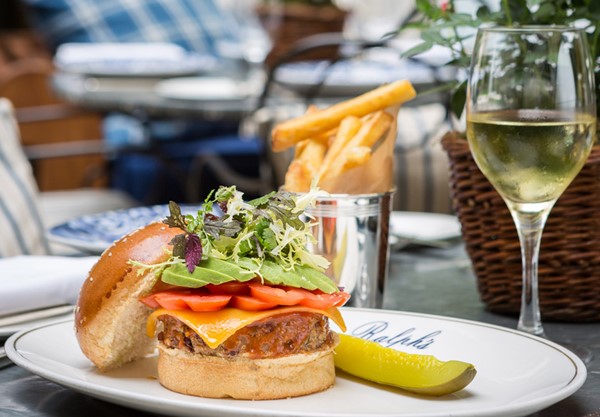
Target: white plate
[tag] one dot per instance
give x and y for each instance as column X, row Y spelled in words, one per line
column 517, row 374
column 202, row 88
column 11, row 329
column 349, row 78
column 131, row 60
column 424, row 226
column 95, row 232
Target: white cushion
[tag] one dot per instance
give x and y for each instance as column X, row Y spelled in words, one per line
column 60, row 206
column 24, row 211
column 22, row 230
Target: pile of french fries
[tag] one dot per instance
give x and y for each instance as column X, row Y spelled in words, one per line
column 332, row 141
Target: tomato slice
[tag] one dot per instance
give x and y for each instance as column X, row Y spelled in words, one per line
column 248, row 303
column 279, row 296
column 171, row 300
column 150, row 301
column 230, row 288
column 342, row 298
column 202, row 302
column 323, row 301
column 186, row 300
column 234, row 294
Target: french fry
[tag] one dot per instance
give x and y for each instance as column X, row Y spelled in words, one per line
column 372, row 130
column 348, row 128
column 308, row 157
column 323, row 138
column 313, row 155
column 300, row 148
column 293, row 131
column 327, row 137
column 312, row 109
column 356, row 157
column 297, row 177
column 305, row 165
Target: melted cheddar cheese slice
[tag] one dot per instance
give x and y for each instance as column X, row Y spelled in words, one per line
column 214, row 327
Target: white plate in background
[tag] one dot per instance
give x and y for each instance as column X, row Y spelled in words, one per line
column 202, row 88
column 424, row 226
column 147, row 59
column 349, row 78
column 517, row 374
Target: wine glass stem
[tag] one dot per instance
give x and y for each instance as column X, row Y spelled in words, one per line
column 530, row 225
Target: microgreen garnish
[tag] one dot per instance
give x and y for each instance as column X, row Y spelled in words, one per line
column 178, row 243
column 186, row 246
column 175, row 218
column 282, row 205
column 227, row 227
column 217, row 227
column 193, row 251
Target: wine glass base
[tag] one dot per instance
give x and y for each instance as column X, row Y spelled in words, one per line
column 536, row 330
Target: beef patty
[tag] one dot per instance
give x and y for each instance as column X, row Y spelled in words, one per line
column 275, row 336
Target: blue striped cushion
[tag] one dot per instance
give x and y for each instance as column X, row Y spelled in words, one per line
column 196, row 25
column 421, row 165
column 21, row 228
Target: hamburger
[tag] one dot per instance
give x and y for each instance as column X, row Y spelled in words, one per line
column 234, row 302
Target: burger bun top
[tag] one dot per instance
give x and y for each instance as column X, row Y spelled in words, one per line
column 110, row 321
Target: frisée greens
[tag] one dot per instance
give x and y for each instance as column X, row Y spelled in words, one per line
column 230, row 239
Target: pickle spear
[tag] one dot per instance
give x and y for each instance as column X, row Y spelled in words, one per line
column 420, row 374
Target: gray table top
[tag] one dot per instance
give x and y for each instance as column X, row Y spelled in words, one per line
column 137, row 96
column 435, row 281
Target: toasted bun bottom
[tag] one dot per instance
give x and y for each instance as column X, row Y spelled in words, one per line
column 243, row 378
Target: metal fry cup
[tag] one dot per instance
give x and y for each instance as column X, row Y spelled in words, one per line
column 352, row 233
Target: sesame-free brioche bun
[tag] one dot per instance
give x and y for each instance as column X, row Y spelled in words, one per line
column 243, row 378
column 110, row 322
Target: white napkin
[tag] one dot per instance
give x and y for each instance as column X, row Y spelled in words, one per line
column 33, row 282
column 84, row 53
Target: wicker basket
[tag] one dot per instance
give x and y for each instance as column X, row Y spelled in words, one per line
column 297, row 21
column 569, row 264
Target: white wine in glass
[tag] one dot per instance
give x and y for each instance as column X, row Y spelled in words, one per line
column 531, row 123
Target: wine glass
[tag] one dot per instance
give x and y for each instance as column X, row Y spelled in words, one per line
column 531, row 122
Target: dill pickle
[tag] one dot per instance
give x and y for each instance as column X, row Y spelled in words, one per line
column 421, row 374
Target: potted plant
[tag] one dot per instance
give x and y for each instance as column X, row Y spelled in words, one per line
column 440, row 24
column 569, row 264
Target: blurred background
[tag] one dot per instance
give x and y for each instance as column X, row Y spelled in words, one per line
column 96, row 141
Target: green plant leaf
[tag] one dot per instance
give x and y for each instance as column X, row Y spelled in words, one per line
column 415, row 25
column 459, row 97
column 519, row 12
column 433, row 36
column 545, row 13
column 415, row 50
column 464, row 19
column 424, row 6
column 483, row 12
